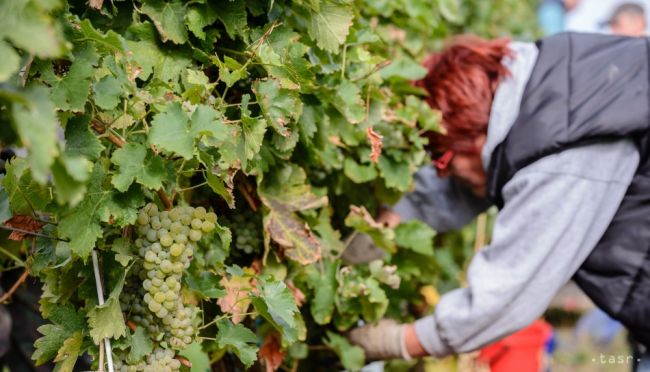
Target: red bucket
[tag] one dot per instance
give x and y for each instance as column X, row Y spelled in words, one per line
column 522, row 351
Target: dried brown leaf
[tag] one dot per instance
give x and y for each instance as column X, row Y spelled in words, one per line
column 22, row 222
column 375, row 143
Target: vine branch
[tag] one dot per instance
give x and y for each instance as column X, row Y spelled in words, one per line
column 15, row 286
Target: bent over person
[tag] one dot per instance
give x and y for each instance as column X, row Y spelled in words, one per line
column 556, row 134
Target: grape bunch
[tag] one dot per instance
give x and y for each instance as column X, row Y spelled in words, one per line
column 161, row 360
column 246, row 227
column 167, row 241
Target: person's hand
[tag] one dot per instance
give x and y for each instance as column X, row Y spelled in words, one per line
column 387, row 340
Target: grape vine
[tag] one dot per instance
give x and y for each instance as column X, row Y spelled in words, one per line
column 216, row 156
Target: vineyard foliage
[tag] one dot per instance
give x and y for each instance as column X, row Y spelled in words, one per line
column 217, row 156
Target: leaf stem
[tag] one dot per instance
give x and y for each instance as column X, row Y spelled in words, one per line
column 12, row 256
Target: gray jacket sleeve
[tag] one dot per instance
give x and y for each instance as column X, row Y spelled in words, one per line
column 442, row 203
column 555, row 212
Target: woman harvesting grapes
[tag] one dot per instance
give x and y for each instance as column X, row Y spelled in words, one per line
column 556, row 135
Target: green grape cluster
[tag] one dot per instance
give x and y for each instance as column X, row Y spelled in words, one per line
column 161, row 360
column 246, row 227
column 167, row 241
column 131, row 301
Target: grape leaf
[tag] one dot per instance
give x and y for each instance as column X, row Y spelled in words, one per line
column 361, row 220
column 11, row 61
column 170, row 131
column 24, row 193
column 280, row 106
column 108, row 92
column 352, row 357
column 106, row 321
column 238, row 339
column 324, row 286
column 359, row 173
column 29, row 26
column 111, row 41
column 277, row 305
column 200, row 16
column 137, row 163
column 165, row 64
column 68, row 354
column 169, row 19
column 65, row 322
column 81, row 225
column 415, row 235
column 205, row 284
column 287, row 188
column 396, row 174
column 141, row 345
column 70, row 92
column 236, row 300
column 292, row 234
column 195, row 355
column 348, row 102
column 36, row 125
column 271, row 353
column 79, row 140
column 329, row 25
column 233, row 16
column 121, row 208
column 69, row 174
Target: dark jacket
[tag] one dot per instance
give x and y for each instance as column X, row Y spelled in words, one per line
column 584, row 89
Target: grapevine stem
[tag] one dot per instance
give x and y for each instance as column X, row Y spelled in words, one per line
column 14, row 287
column 12, row 256
column 100, row 299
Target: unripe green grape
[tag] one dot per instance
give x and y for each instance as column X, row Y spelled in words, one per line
column 155, row 223
column 195, row 235
column 196, row 224
column 176, row 249
column 151, row 209
column 181, row 238
column 186, row 219
column 166, row 240
column 207, row 226
column 143, row 218
column 152, row 235
column 154, row 306
column 178, row 267
column 162, row 232
column 150, row 256
column 159, row 297
column 156, row 247
column 211, row 216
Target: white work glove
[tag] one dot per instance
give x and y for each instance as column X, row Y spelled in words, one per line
column 382, row 341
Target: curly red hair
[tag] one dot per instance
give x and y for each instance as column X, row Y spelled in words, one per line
column 460, row 84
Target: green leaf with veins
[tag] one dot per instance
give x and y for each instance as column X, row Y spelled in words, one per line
column 352, row 357
column 137, row 163
column 36, row 125
column 330, row 24
column 280, row 106
column 170, row 131
column 141, row 345
column 238, row 339
column 169, row 19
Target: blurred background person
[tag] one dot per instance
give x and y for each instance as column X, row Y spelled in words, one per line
column 628, row 19
column 595, row 15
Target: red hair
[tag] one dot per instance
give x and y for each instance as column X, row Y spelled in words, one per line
column 460, row 84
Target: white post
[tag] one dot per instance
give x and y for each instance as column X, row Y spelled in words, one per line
column 100, row 299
